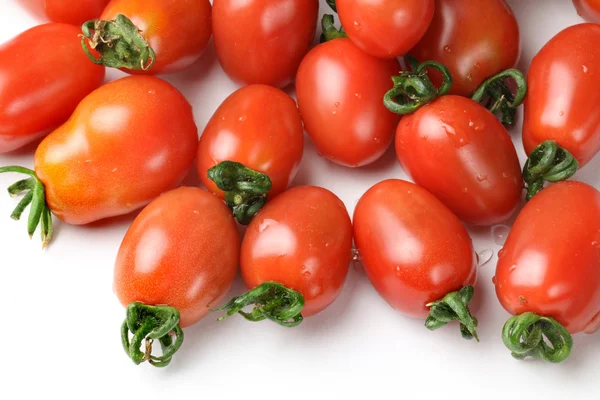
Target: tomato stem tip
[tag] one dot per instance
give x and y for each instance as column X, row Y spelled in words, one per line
column 495, row 95
column 329, row 31
column 454, row 307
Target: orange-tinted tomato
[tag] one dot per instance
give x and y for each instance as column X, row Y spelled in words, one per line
column 564, row 93
column 474, row 39
column 181, row 251
column 126, row 143
column 258, row 126
column 385, row 29
column 263, row 41
column 74, row 12
column 588, row 9
column 461, row 153
column 413, row 249
column 303, row 240
column 36, row 97
column 550, row 264
column 340, row 93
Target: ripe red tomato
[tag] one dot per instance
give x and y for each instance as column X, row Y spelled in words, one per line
column 340, row 93
column 461, row 153
column 36, row 97
column 385, row 29
column 263, row 41
column 73, row 12
column 564, row 91
column 588, row 9
column 258, row 126
column 474, row 39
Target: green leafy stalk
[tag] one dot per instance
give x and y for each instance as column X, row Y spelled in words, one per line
column 496, row 96
column 547, row 163
column 454, row 307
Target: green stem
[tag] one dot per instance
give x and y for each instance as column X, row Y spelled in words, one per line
column 119, row 42
column 329, row 31
column 496, row 95
column 148, row 323
column 526, row 335
column 547, row 163
column 454, row 307
column 271, row 301
column 332, row 5
column 245, row 189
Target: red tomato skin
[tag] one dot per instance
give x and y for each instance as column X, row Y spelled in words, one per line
column 340, row 93
column 303, row 240
column 588, row 9
column 183, row 251
column 385, row 29
column 564, row 93
column 126, row 143
column 258, row 126
column 177, row 30
column 263, row 41
column 474, row 39
column 550, row 264
column 36, row 97
column 462, row 154
column 74, row 12
column 413, row 249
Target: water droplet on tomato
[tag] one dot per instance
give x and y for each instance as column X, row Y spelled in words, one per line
column 470, row 77
column 356, row 255
column 561, row 113
column 512, row 268
column 484, row 257
column 471, row 123
column 266, row 224
column 501, row 252
column 357, row 95
column 585, row 69
column 337, row 103
column 482, row 178
column 477, row 65
column 447, row 49
column 398, row 270
column 494, row 280
column 595, row 243
column 465, row 190
column 499, row 234
column 242, row 118
column 376, row 140
column 334, row 112
column 356, row 25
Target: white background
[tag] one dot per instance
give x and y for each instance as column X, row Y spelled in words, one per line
column 59, row 318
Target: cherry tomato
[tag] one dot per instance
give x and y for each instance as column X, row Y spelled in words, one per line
column 474, row 39
column 73, row 12
column 36, row 97
column 263, row 41
column 564, row 91
column 460, row 152
column 340, row 93
column 385, row 29
column 258, row 126
column 303, row 240
column 588, row 9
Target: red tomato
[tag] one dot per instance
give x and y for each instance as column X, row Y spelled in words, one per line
column 303, row 240
column 564, row 92
column 258, row 126
column 385, row 29
column 550, row 264
column 74, row 12
column 588, row 9
column 36, row 97
column 340, row 93
column 263, row 41
column 474, row 39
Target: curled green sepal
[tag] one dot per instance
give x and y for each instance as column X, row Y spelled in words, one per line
column 329, row 31
column 34, row 195
column 525, row 335
column 271, row 301
column 245, row 189
column 495, row 95
column 454, row 307
column 148, row 323
column 119, row 42
column 332, row 5
column 547, row 163
column 413, row 89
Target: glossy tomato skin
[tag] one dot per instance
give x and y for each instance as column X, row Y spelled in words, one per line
column 263, row 41
column 413, row 248
column 303, row 240
column 588, row 9
column 182, row 250
column 550, row 264
column 474, row 39
column 177, row 30
column 340, row 93
column 126, row 143
column 385, row 29
column 258, row 126
column 461, row 153
column 36, row 97
column 73, row 12
column 563, row 94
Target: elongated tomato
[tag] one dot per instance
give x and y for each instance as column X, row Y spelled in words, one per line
column 588, row 9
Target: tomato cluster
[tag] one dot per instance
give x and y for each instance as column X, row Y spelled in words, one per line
column 111, row 149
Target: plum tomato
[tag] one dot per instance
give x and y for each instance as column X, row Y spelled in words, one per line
column 588, row 9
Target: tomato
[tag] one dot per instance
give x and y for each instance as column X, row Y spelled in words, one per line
column 263, row 41
column 385, row 29
column 258, row 126
column 170, row 35
column 563, row 93
column 340, row 93
column 460, row 152
column 74, row 12
column 36, row 97
column 474, row 39
column 588, row 9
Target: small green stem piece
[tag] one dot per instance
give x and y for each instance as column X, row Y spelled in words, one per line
column 496, row 96
column 454, row 307
column 329, row 31
column 119, row 42
column 332, row 5
column 547, row 163
column 525, row 335
column 271, row 301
